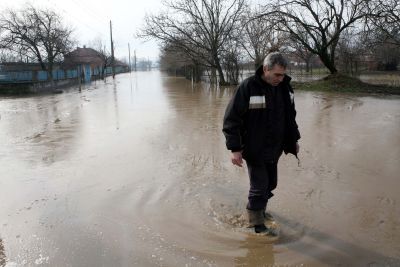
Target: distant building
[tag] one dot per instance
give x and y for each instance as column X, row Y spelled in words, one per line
column 120, row 66
column 84, row 64
column 88, row 61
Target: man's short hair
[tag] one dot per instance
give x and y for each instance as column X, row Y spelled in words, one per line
column 275, row 58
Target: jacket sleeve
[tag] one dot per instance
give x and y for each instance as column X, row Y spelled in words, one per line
column 297, row 135
column 233, row 125
column 292, row 134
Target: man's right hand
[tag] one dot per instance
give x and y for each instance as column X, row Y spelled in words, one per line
column 236, row 158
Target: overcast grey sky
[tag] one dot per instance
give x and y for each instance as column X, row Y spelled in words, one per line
column 91, row 18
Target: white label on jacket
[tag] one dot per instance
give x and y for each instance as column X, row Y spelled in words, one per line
column 257, row 102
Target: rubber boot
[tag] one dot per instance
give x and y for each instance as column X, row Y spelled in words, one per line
column 268, row 216
column 271, row 223
column 256, row 219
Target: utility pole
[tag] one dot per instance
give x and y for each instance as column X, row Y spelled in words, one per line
column 112, row 52
column 104, row 70
column 135, row 58
column 78, row 71
column 130, row 66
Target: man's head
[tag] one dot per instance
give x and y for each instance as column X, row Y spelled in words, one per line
column 274, row 68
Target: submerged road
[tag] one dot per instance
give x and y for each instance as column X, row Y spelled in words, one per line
column 134, row 172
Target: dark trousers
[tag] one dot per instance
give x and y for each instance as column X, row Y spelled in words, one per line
column 263, row 179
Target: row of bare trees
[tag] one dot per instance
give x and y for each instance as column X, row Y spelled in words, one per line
column 200, row 30
column 217, row 34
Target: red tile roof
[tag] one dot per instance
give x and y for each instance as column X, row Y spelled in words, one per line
column 83, row 56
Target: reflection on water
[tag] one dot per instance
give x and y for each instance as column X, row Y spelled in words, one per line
column 135, row 172
column 304, row 77
column 258, row 253
column 116, row 104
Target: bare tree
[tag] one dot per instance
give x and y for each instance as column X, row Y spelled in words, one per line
column 302, row 53
column 388, row 55
column 385, row 20
column 172, row 60
column 231, row 56
column 381, row 35
column 176, row 61
column 39, row 33
column 318, row 24
column 351, row 49
column 200, row 28
column 98, row 45
column 9, row 56
column 260, row 35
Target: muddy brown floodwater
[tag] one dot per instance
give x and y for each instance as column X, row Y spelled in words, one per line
column 135, row 173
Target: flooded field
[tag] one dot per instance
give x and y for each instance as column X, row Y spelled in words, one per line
column 134, row 172
column 389, row 78
column 377, row 78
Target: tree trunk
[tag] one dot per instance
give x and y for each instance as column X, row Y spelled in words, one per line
column 221, row 75
column 50, row 72
column 328, row 62
column 197, row 72
column 308, row 65
column 213, row 78
column 42, row 65
column 258, row 62
column 219, row 69
column 103, row 69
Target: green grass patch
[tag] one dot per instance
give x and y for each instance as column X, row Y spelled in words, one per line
column 343, row 83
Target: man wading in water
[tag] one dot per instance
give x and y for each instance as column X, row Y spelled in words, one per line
column 259, row 124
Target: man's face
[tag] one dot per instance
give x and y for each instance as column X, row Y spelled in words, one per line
column 275, row 75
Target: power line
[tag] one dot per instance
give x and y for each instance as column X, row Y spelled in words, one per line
column 82, row 23
column 95, row 15
column 88, row 10
column 91, row 13
column 98, row 18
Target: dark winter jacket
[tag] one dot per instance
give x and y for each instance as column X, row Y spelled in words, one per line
column 247, row 121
